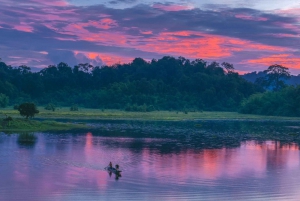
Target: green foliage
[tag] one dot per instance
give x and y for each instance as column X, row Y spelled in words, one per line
column 28, row 110
column 74, row 108
column 285, row 102
column 6, row 122
column 50, row 106
column 16, row 107
column 3, row 100
column 8, row 119
column 165, row 84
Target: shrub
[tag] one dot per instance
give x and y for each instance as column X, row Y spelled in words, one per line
column 50, row 106
column 3, row 100
column 74, row 108
column 285, row 102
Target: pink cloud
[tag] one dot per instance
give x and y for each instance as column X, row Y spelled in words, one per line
column 179, row 43
column 107, row 58
column 289, row 12
column 146, row 32
column 292, row 27
column 200, row 46
column 105, row 23
column 23, row 27
column 69, row 25
column 286, row 60
column 249, row 17
column 51, row 3
column 280, row 35
column 294, row 12
column 172, row 7
column 190, row 44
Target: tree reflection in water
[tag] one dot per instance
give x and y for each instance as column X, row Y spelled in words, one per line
column 198, row 135
column 27, row 140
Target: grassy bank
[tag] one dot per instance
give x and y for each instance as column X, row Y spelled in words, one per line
column 21, row 124
column 84, row 113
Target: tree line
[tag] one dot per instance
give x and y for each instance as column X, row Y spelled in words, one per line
column 165, row 84
column 279, row 98
column 285, row 102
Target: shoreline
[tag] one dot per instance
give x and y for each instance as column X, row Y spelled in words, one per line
column 31, row 125
column 52, row 120
column 98, row 114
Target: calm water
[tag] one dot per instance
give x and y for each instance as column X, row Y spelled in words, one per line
column 160, row 161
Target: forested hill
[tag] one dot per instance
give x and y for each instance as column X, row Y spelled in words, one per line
column 164, row 84
column 293, row 80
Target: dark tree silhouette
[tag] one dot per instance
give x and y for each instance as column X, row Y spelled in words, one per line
column 28, row 110
column 24, row 69
column 229, row 67
column 275, row 76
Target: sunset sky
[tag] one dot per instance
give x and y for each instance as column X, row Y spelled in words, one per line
column 251, row 34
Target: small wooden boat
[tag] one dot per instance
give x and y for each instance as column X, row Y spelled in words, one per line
column 113, row 170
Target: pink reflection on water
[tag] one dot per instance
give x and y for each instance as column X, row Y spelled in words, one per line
column 251, row 158
column 81, row 165
column 92, row 156
column 88, row 148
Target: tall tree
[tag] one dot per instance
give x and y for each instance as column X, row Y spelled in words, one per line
column 275, row 76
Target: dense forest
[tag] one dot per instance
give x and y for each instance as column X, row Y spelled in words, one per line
column 285, row 102
column 253, row 76
column 165, row 84
column 281, row 97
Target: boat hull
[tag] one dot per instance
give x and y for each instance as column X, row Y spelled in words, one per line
column 113, row 170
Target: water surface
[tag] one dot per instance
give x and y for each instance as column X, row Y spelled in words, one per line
column 160, row 161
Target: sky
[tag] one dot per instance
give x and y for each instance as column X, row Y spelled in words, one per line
column 250, row 34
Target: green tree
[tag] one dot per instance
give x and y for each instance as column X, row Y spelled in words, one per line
column 3, row 100
column 28, row 110
column 275, row 76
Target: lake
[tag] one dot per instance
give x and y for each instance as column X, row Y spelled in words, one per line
column 187, row 160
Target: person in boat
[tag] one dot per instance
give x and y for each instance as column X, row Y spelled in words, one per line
column 117, row 167
column 110, row 165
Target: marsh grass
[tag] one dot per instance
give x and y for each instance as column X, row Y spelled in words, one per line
column 85, row 113
column 21, row 124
